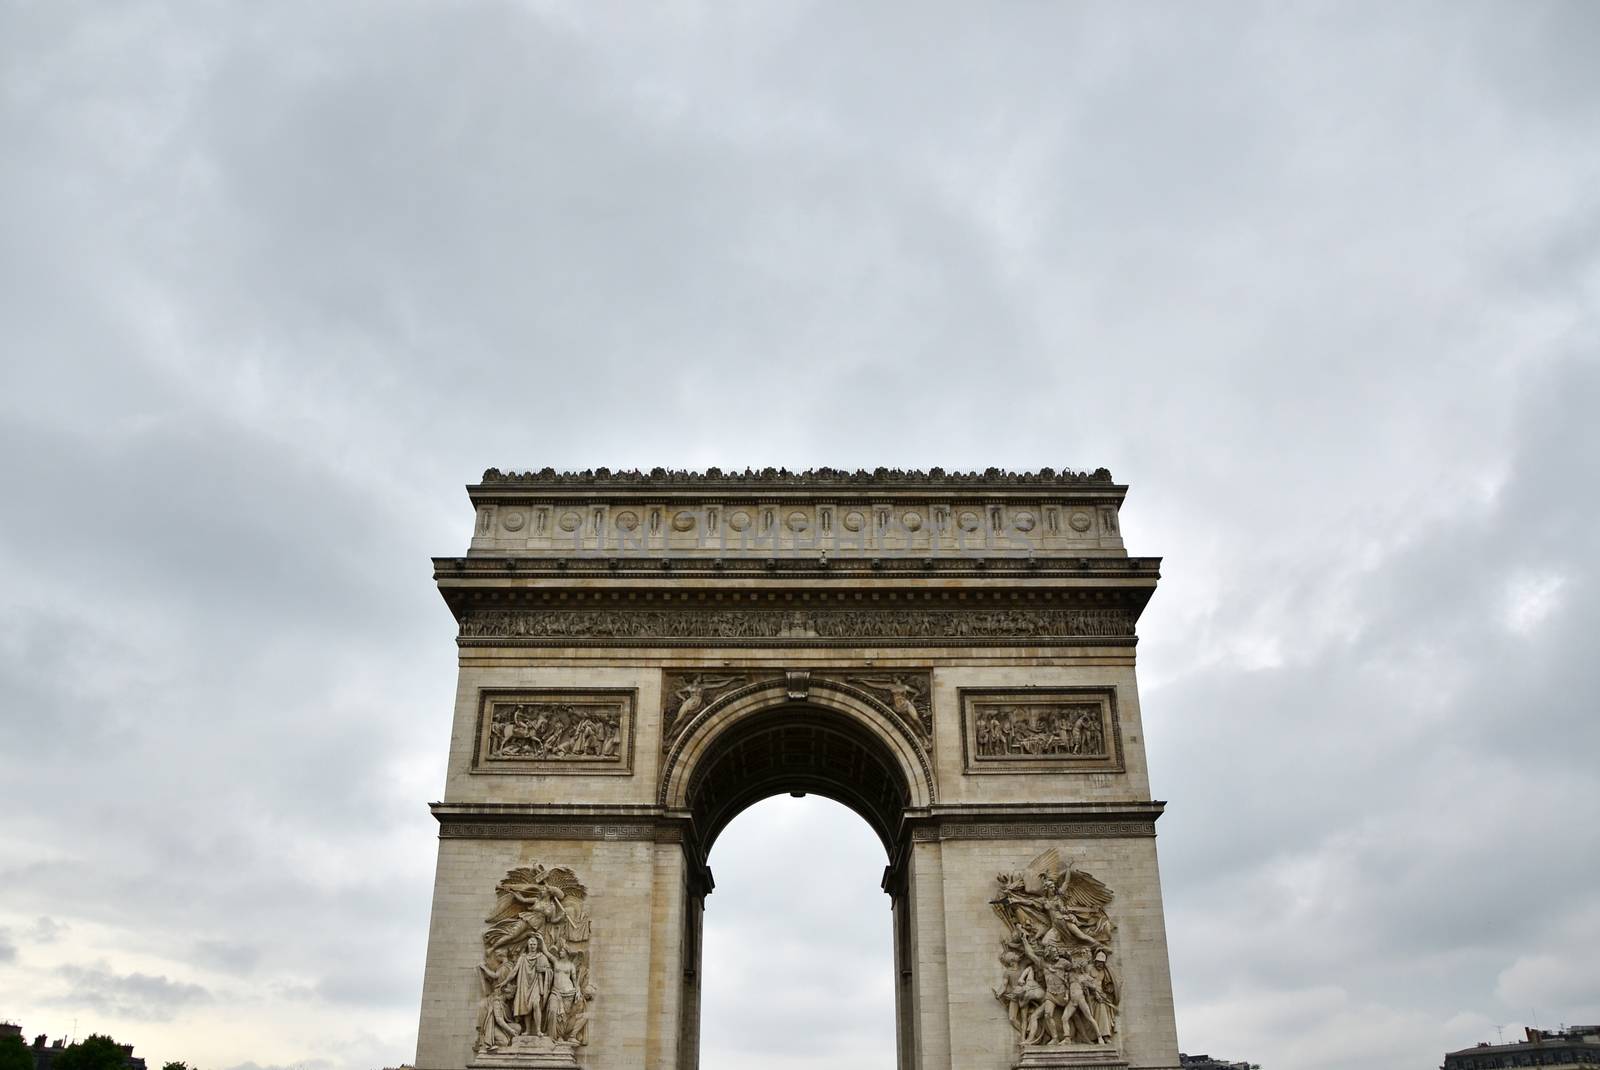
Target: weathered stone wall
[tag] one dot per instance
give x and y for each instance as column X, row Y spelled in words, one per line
column 979, row 1035
column 636, row 903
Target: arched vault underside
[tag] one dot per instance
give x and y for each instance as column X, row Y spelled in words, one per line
column 797, row 747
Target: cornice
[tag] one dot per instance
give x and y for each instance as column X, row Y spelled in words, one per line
column 448, row 570
column 1023, row 821
column 752, row 480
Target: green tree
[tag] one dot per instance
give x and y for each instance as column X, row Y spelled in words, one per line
column 14, row 1054
column 98, row 1052
column 176, row 1066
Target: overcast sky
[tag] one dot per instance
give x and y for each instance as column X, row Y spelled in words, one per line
column 1319, row 281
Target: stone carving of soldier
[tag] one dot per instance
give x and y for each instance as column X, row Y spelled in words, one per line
column 586, row 737
column 1094, row 741
column 998, row 732
column 1058, row 983
column 495, row 1026
column 1080, row 733
column 544, row 990
column 1105, row 995
column 534, row 972
column 1047, row 1016
column 1020, row 991
column 1078, row 1017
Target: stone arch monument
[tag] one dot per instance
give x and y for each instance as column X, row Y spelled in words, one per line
column 644, row 655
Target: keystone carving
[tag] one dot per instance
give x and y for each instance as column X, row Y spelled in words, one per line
column 537, row 991
column 1059, row 986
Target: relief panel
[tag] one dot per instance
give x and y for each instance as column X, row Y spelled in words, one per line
column 555, row 730
column 1040, row 730
column 537, row 992
column 1059, row 982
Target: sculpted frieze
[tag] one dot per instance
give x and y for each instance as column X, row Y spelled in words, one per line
column 537, row 991
column 1064, row 730
column 555, row 731
column 1068, row 729
column 905, row 695
column 1059, row 981
column 910, row 625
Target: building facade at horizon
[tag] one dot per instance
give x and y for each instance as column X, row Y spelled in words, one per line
column 1568, row 1048
column 645, row 655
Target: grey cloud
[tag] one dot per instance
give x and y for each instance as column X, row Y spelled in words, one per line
column 132, row 995
column 47, row 930
column 361, row 985
column 1318, row 284
column 232, row 956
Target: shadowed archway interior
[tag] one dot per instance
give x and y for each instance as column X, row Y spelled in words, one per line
column 796, row 748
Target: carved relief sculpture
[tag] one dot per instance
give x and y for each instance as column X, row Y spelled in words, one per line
column 689, row 695
column 1058, row 982
column 1054, row 731
column 1040, row 730
column 917, row 626
column 537, row 993
column 907, row 695
column 555, row 731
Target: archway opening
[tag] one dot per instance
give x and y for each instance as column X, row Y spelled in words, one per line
column 801, row 950
column 798, row 952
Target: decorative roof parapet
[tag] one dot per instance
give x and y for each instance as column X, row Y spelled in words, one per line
column 881, row 477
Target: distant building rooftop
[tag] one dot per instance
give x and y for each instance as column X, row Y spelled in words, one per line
column 1571, row 1046
column 46, row 1051
column 1207, row 1062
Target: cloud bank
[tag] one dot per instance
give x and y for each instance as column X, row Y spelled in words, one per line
column 1318, row 281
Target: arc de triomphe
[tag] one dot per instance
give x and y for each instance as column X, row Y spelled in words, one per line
column 644, row 655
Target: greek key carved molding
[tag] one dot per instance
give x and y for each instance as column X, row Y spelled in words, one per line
column 915, row 626
column 538, row 830
column 988, row 830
